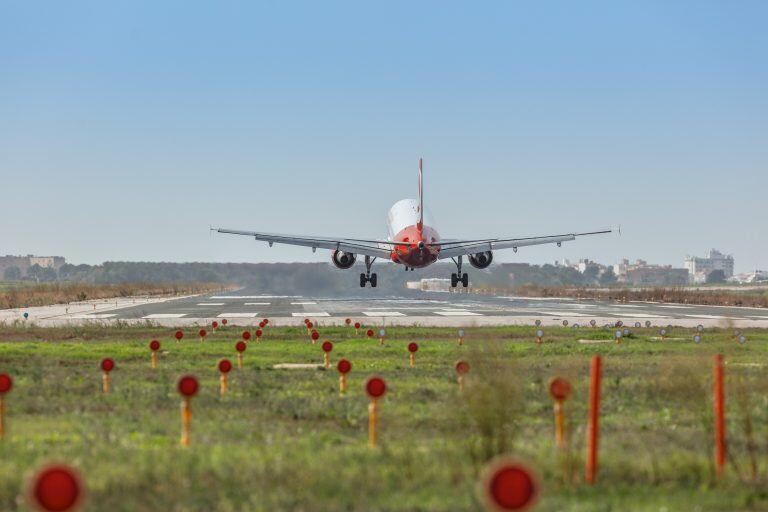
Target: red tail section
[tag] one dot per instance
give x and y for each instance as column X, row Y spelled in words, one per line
column 420, row 224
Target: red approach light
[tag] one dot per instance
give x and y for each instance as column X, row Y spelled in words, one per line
column 188, row 385
column 560, row 389
column 344, row 366
column 223, row 321
column 6, row 383
column 107, row 365
column 327, row 346
column 215, row 324
column 462, row 367
column 348, row 321
column 310, row 325
column 56, row 488
column 225, row 366
column 375, row 387
column 154, row 345
column 306, row 321
column 370, row 333
column 202, row 333
column 179, row 335
column 246, row 335
column 240, row 346
column 315, row 335
column 413, row 347
column 262, row 324
column 357, row 325
column 266, row 321
column 258, row 333
column 511, row 486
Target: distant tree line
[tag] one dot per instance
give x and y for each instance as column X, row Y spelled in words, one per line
column 308, row 277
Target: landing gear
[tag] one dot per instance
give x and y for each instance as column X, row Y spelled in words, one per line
column 458, row 276
column 455, row 280
column 367, row 277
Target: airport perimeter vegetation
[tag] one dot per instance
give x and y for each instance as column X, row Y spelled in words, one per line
column 286, row 439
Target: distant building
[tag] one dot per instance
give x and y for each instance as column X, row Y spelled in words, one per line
column 24, row 263
column 430, row 285
column 700, row 268
column 758, row 276
column 641, row 273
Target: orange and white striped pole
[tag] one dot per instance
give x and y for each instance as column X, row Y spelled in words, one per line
column 719, row 406
column 593, row 426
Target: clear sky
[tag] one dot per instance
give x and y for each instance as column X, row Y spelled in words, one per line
column 127, row 128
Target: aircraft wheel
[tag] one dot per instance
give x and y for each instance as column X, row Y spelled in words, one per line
column 465, row 280
column 373, row 280
column 454, row 280
column 362, row 280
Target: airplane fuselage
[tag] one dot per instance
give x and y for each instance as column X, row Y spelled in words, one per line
column 404, row 226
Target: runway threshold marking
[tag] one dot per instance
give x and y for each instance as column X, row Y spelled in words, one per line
column 96, row 316
column 311, row 313
column 383, row 313
column 237, row 315
column 257, row 304
column 210, row 304
column 164, row 315
column 303, row 303
column 457, row 313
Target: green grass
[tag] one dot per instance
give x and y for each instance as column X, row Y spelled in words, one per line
column 286, row 440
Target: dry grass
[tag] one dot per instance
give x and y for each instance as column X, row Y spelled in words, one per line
column 62, row 293
column 672, row 295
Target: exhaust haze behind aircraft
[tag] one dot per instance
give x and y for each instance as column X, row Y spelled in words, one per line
column 413, row 241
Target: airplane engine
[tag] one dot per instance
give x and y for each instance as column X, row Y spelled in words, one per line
column 343, row 259
column 481, row 259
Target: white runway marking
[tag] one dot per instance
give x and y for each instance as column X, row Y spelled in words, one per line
column 302, row 303
column 383, row 313
column 237, row 315
column 705, row 316
column 311, row 313
column 238, row 297
column 644, row 315
column 96, row 316
column 211, row 304
column 558, row 313
column 257, row 304
column 457, row 313
column 164, row 315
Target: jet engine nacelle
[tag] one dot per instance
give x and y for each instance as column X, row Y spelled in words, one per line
column 343, row 259
column 481, row 259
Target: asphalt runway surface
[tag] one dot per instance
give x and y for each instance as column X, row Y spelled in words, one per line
column 248, row 307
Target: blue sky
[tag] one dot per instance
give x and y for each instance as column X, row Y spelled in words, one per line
column 127, row 128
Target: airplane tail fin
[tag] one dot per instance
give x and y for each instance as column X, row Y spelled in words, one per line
column 421, row 196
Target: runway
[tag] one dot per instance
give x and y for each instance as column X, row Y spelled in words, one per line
column 248, row 307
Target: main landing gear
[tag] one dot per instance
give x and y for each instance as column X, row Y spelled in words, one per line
column 367, row 277
column 458, row 277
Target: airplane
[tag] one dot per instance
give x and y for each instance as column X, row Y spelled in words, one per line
column 413, row 242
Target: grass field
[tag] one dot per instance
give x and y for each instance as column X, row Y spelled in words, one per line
column 286, row 440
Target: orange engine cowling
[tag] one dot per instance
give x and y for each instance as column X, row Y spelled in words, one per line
column 343, row 259
column 481, row 259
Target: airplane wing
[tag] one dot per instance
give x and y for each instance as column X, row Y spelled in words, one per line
column 453, row 248
column 373, row 248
